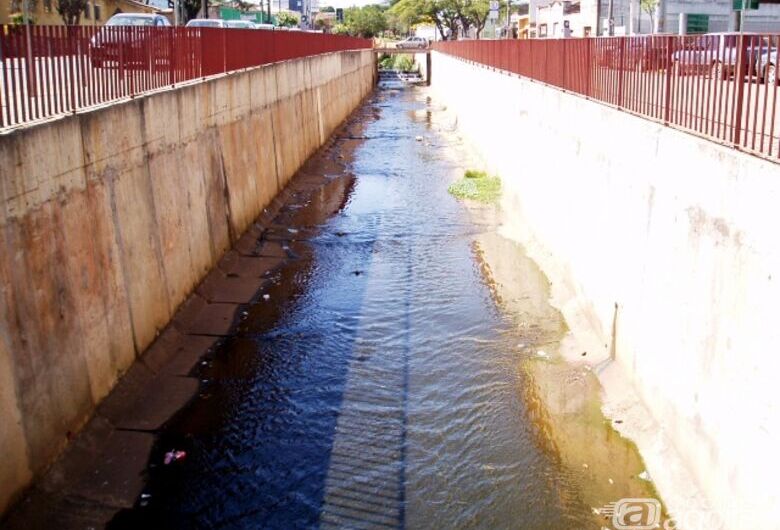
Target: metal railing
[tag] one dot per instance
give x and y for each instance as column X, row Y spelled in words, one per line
column 51, row 70
column 720, row 86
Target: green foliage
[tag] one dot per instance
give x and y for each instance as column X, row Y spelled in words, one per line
column 17, row 19
column 449, row 16
column 402, row 63
column 477, row 186
column 328, row 9
column 367, row 21
column 648, row 6
column 287, row 19
column 340, row 29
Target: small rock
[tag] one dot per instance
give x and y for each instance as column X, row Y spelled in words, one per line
column 541, row 353
column 266, row 297
column 644, row 475
column 419, row 138
column 611, row 481
column 585, row 466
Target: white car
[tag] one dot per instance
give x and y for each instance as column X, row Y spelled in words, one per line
column 241, row 24
column 413, row 42
column 207, row 23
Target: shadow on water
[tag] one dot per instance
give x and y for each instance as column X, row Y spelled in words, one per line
column 379, row 381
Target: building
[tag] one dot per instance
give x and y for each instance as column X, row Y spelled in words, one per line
column 566, row 18
column 549, row 18
column 719, row 14
column 44, row 12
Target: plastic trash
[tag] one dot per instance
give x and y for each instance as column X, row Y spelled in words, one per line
column 419, row 138
column 644, row 475
column 266, row 297
column 174, row 456
column 541, row 353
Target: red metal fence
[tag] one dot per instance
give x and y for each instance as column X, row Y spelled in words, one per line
column 721, row 86
column 50, row 70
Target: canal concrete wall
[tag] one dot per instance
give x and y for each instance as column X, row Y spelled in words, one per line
column 109, row 218
column 663, row 256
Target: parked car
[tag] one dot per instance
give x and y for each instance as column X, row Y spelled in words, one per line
column 716, row 53
column 645, row 53
column 767, row 61
column 207, row 23
column 112, row 45
column 240, row 24
column 413, row 42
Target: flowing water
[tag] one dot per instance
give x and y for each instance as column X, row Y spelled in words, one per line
column 385, row 382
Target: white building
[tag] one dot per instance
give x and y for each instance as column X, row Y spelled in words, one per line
column 566, row 18
column 548, row 18
column 721, row 17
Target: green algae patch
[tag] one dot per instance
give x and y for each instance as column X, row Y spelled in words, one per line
column 477, row 186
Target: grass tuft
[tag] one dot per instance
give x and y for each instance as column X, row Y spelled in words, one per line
column 477, row 186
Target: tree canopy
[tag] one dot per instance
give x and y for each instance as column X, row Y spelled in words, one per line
column 367, row 21
column 451, row 17
column 287, row 19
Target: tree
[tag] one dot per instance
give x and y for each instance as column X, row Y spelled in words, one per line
column 648, row 6
column 287, row 19
column 190, row 8
column 71, row 10
column 474, row 13
column 324, row 23
column 328, row 9
column 367, row 21
column 442, row 13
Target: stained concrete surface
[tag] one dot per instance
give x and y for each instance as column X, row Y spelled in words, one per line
column 103, row 469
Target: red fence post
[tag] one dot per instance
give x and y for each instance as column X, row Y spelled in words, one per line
column 739, row 80
column 621, row 72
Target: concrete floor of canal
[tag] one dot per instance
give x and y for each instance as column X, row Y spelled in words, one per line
column 401, row 372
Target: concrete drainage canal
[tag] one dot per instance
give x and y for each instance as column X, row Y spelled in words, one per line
column 397, row 369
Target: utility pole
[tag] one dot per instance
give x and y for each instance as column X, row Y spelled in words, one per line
column 204, row 6
column 610, row 18
column 508, row 15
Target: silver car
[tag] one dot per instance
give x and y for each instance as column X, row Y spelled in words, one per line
column 241, row 24
column 206, row 23
column 413, row 42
